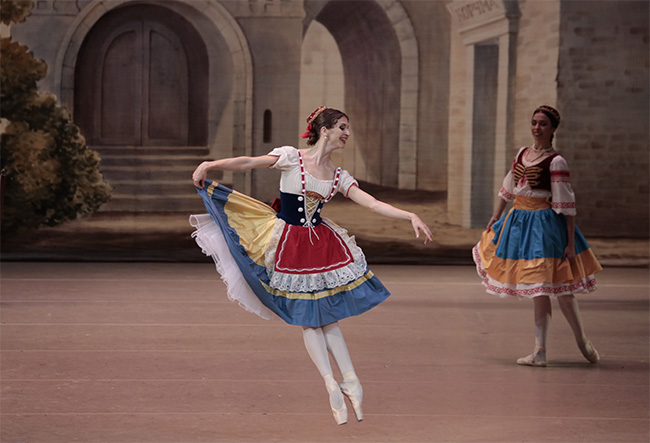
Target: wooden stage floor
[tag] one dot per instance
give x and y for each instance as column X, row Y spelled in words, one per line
column 155, row 352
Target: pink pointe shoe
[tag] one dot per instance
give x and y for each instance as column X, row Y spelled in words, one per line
column 352, row 389
column 537, row 358
column 336, row 398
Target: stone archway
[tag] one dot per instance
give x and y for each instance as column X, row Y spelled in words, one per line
column 208, row 18
column 140, row 80
column 230, row 107
column 213, row 22
column 381, row 63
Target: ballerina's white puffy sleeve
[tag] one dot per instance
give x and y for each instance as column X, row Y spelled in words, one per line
column 564, row 199
column 507, row 191
column 346, row 182
column 287, row 157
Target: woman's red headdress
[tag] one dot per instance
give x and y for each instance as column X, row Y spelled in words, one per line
column 311, row 119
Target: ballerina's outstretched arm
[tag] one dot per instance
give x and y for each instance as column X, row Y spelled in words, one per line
column 366, row 200
column 230, row 164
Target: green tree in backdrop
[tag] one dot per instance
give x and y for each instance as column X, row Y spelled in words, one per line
column 51, row 174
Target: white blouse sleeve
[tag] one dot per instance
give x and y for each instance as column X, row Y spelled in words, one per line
column 345, row 183
column 507, row 191
column 286, row 155
column 563, row 198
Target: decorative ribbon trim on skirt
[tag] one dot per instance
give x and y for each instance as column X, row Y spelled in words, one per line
column 239, row 233
column 522, row 255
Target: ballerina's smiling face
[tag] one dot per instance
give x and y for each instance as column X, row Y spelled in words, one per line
column 339, row 133
column 541, row 128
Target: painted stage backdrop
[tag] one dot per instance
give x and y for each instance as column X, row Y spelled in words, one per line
column 109, row 105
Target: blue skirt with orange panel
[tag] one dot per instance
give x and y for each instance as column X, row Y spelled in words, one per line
column 522, row 256
column 307, row 276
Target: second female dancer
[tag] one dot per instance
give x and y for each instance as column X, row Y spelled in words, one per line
column 294, row 263
column 536, row 250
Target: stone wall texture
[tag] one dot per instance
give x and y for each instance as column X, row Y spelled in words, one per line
column 537, row 64
column 457, row 181
column 590, row 60
column 603, row 95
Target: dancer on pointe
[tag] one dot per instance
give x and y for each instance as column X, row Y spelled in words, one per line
column 536, row 250
column 295, row 264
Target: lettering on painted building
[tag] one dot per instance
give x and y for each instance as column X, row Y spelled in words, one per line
column 466, row 12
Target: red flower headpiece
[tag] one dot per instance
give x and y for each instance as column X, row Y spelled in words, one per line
column 310, row 120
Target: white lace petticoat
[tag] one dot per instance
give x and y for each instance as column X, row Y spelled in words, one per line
column 210, row 239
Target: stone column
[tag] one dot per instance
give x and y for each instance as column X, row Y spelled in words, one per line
column 273, row 29
column 483, row 23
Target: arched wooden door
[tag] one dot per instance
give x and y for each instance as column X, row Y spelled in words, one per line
column 138, row 82
column 142, row 76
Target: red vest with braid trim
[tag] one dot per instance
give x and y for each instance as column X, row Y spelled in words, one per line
column 538, row 176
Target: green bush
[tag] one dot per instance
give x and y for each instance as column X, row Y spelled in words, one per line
column 51, row 174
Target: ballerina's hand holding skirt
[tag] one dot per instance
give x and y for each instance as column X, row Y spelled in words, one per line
column 522, row 255
column 294, row 263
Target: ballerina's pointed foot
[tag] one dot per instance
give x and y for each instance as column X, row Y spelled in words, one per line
column 589, row 352
column 537, row 358
column 351, row 387
column 337, row 403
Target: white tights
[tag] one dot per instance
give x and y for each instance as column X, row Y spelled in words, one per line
column 568, row 306
column 318, row 342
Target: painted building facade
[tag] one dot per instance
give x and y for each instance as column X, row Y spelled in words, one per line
column 439, row 92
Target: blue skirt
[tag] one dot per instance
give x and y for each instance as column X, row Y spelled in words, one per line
column 242, row 235
column 522, row 256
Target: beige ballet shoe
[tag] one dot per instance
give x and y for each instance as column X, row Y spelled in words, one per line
column 352, row 389
column 336, row 397
column 537, row 358
column 589, row 352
